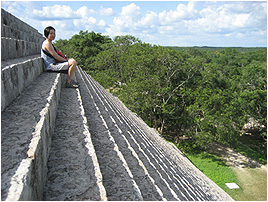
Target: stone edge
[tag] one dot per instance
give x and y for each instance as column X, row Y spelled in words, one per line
column 29, row 179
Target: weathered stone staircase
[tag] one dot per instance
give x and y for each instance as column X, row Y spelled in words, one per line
column 80, row 144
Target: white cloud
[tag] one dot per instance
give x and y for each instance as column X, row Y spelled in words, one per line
column 84, row 12
column 259, row 33
column 149, row 19
column 58, row 25
column 12, row 7
column 85, row 22
column 101, row 23
column 192, row 22
column 126, row 21
column 243, row 7
column 80, row 19
column 235, row 35
column 182, row 12
column 55, row 12
column 90, row 23
column 227, row 18
column 130, row 10
column 106, row 11
column 92, row 20
column 240, row 20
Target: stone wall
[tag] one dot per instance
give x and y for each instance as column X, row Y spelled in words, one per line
column 20, row 56
column 29, row 100
column 18, row 39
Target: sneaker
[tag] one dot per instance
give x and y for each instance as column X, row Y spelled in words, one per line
column 75, row 81
column 72, row 84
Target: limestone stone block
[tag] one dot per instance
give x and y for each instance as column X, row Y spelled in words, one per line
column 16, row 77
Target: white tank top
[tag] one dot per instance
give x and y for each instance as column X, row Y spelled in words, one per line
column 47, row 60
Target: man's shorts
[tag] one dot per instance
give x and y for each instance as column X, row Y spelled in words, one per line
column 59, row 66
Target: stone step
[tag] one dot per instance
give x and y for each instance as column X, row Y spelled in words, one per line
column 118, row 179
column 73, row 168
column 27, row 124
column 182, row 164
column 16, row 48
column 16, row 75
column 204, row 189
column 152, row 166
column 12, row 27
column 149, row 190
column 153, row 149
column 14, row 33
column 181, row 175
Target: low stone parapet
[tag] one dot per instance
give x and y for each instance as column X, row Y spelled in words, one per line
column 15, row 48
column 33, row 36
column 26, row 143
column 16, row 75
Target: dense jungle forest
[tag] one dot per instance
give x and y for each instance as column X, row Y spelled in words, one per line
column 192, row 96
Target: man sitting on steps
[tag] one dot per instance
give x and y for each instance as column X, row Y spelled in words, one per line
column 49, row 55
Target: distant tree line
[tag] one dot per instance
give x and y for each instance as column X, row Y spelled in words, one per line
column 191, row 96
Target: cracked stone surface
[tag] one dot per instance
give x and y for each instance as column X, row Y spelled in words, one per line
column 18, row 124
column 70, row 169
column 166, row 172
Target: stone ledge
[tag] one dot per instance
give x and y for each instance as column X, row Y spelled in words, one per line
column 16, row 75
column 72, row 150
column 31, row 36
column 26, row 143
column 15, row 48
column 182, row 170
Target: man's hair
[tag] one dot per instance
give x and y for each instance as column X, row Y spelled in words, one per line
column 47, row 30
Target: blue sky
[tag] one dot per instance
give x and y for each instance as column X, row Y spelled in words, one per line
column 167, row 23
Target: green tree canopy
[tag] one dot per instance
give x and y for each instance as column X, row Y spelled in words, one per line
column 187, row 94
